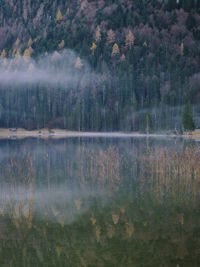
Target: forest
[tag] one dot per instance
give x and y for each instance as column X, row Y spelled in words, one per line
column 130, row 64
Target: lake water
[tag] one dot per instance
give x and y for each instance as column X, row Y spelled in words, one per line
column 99, row 202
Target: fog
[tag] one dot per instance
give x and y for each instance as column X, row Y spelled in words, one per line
column 55, row 203
column 62, row 70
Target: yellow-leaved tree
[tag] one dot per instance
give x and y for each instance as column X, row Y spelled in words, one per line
column 130, row 229
column 14, row 52
column 182, row 48
column 18, row 53
column 3, row 54
column 83, row 4
column 59, row 15
column 78, row 64
column 27, row 53
column 115, row 50
column 98, row 233
column 145, row 44
column 123, row 57
column 111, row 36
column 93, row 220
column 130, row 39
column 17, row 42
column 115, row 218
column 30, row 41
column 61, row 44
column 78, row 204
column 30, row 50
column 98, row 34
column 93, row 48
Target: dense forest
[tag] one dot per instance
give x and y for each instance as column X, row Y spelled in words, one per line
column 132, row 63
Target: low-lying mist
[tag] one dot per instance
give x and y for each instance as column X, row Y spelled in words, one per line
column 63, row 202
column 60, row 70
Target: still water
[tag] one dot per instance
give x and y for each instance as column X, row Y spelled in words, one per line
column 99, row 202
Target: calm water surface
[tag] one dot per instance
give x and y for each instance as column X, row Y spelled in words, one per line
column 99, row 202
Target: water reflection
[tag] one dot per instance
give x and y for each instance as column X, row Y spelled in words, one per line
column 96, row 202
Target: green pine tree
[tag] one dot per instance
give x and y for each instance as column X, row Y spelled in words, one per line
column 191, row 21
column 187, row 119
column 148, row 124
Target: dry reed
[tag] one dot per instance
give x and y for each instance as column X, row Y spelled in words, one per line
column 171, row 172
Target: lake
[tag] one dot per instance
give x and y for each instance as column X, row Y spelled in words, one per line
column 123, row 201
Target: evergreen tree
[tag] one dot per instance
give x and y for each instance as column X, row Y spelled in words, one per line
column 190, row 21
column 187, row 119
column 148, row 124
column 59, row 15
column 135, row 64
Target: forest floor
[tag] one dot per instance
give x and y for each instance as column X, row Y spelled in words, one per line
column 60, row 133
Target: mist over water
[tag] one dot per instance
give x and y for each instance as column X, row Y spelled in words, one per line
column 65, row 201
column 64, row 69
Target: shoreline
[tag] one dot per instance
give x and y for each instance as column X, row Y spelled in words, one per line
column 192, row 135
column 6, row 133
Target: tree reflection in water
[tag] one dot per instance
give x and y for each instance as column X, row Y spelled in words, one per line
column 116, row 211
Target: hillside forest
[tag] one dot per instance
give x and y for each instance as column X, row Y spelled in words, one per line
column 99, row 65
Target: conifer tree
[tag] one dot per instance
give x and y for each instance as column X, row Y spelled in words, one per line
column 61, row 44
column 93, row 48
column 98, row 34
column 26, row 54
column 17, row 42
column 123, row 57
column 84, row 4
column 111, row 36
column 78, row 64
column 145, row 44
column 59, row 15
column 182, row 48
column 191, row 21
column 187, row 118
column 3, row 54
column 18, row 53
column 129, row 39
column 115, row 50
column 30, row 41
column 148, row 124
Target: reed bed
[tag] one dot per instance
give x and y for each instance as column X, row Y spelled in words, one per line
column 174, row 173
column 17, row 184
column 100, row 167
column 159, row 171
